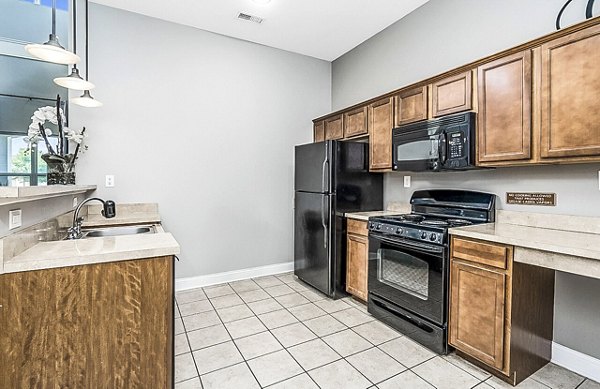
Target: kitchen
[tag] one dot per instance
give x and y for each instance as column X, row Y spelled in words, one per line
column 276, row 95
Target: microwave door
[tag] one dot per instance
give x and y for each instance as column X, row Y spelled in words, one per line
column 417, row 153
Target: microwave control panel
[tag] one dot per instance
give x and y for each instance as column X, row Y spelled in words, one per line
column 456, row 146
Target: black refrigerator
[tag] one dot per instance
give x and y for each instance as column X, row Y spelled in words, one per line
column 331, row 178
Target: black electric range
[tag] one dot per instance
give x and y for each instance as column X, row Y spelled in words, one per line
column 409, row 261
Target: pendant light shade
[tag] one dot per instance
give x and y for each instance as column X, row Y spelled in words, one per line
column 74, row 81
column 52, row 51
column 86, row 100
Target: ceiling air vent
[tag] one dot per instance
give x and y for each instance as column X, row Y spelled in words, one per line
column 250, row 18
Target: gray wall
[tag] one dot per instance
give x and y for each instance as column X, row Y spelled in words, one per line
column 205, row 126
column 445, row 34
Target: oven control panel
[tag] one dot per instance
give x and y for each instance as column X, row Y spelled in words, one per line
column 407, row 232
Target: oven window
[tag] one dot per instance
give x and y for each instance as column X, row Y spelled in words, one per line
column 404, row 272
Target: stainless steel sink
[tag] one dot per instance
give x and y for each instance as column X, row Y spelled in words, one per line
column 115, row 231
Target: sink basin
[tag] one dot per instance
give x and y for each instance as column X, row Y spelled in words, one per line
column 115, row 231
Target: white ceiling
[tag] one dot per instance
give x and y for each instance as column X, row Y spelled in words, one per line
column 324, row 29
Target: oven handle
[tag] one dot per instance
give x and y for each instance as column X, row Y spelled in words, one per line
column 408, row 243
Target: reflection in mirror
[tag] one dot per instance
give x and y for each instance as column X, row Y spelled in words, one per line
column 27, row 86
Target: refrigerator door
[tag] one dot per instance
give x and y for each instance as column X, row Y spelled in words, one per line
column 312, row 164
column 312, row 240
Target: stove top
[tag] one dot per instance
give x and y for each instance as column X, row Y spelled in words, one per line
column 424, row 228
column 424, row 220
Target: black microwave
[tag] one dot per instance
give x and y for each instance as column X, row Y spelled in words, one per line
column 447, row 143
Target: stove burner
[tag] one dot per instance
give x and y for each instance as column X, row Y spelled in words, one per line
column 434, row 222
column 412, row 218
column 459, row 222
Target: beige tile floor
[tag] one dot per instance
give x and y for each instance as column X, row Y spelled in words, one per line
column 276, row 332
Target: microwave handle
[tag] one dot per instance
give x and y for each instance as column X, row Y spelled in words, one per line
column 443, row 148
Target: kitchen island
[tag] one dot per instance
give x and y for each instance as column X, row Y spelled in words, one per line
column 93, row 312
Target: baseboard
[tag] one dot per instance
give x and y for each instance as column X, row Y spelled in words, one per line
column 230, row 276
column 576, row 361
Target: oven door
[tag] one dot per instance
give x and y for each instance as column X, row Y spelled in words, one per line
column 410, row 274
column 420, row 149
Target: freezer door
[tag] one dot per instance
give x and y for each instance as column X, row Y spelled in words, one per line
column 312, row 167
column 312, row 240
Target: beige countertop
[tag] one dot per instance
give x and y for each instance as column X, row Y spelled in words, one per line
column 47, row 255
column 366, row 215
column 580, row 244
column 574, row 249
column 393, row 208
column 29, row 250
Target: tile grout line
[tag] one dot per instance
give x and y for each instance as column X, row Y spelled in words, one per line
column 235, row 345
column 190, row 347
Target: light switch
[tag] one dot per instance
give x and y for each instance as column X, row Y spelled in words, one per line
column 14, row 219
column 407, row 181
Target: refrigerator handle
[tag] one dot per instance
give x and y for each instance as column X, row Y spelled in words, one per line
column 323, row 221
column 324, row 170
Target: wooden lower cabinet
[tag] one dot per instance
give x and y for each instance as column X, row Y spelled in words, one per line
column 91, row 326
column 357, row 255
column 501, row 312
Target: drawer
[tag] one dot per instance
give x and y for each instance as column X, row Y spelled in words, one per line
column 485, row 253
column 358, row 227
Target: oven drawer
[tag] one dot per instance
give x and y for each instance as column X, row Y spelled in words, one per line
column 485, row 253
column 358, row 227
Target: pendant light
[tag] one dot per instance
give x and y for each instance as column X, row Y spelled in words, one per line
column 86, row 99
column 74, row 80
column 52, row 51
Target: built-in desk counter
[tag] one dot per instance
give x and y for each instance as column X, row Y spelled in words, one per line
column 575, row 248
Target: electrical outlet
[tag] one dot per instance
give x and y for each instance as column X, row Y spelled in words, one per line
column 110, row 181
column 407, row 181
column 75, row 201
column 14, row 219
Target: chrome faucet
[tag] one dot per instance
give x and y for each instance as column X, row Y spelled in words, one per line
column 108, row 211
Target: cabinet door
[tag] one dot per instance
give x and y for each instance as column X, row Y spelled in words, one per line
column 355, row 122
column 570, row 95
column 411, row 106
column 452, row 94
column 46, row 328
column 319, row 131
column 334, row 128
column 93, row 326
column 380, row 130
column 477, row 303
column 504, row 119
column 357, row 253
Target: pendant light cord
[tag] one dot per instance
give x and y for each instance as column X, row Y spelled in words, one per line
column 74, row 28
column 87, row 66
column 54, row 17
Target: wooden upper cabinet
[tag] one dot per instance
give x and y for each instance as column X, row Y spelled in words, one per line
column 334, row 127
column 355, row 122
column 504, row 118
column 477, row 312
column 411, row 106
column 381, row 121
column 319, row 131
column 570, row 95
column 452, row 94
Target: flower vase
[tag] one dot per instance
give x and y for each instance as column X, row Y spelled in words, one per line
column 59, row 172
